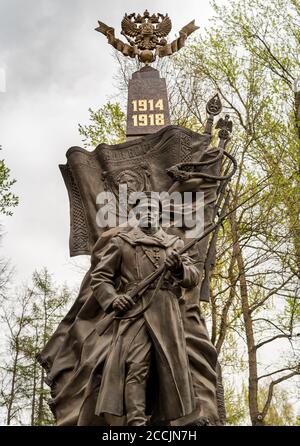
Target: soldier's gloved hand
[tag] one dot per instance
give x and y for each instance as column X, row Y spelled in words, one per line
column 123, row 303
column 174, row 263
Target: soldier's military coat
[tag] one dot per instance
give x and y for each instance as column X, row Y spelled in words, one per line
column 127, row 260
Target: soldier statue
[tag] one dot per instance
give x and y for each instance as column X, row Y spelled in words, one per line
column 147, row 371
column 134, row 348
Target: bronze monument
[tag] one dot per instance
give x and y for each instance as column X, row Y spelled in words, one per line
column 134, row 349
column 146, row 35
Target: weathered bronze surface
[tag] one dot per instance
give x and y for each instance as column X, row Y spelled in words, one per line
column 146, row 35
column 147, row 160
column 127, row 353
column 141, row 341
column 75, row 381
column 148, row 106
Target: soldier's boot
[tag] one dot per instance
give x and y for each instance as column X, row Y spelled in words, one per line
column 135, row 393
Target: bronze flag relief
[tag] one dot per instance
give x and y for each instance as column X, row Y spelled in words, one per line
column 134, row 348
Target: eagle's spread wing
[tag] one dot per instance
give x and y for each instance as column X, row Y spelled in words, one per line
column 220, row 124
column 129, row 28
column 103, row 28
column 164, row 27
column 224, row 124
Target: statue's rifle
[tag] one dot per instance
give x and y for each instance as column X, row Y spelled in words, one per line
column 225, row 126
column 138, row 291
column 180, row 174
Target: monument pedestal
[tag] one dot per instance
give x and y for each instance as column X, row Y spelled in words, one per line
column 148, row 107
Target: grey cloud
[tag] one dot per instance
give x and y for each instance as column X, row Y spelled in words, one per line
column 57, row 67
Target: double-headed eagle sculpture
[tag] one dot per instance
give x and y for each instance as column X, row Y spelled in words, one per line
column 146, row 36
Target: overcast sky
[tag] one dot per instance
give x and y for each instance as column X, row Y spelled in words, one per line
column 56, row 67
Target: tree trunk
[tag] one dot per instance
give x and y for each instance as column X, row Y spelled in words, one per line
column 40, row 417
column 34, row 384
column 13, row 384
column 252, row 358
column 40, row 410
column 297, row 112
column 224, row 316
